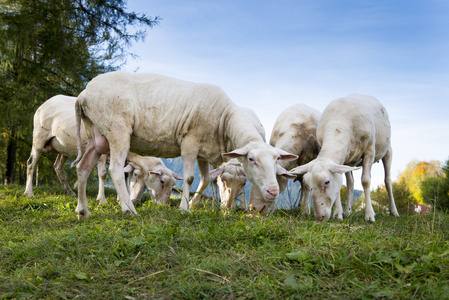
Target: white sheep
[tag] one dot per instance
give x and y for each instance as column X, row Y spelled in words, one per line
column 159, row 116
column 353, row 131
column 294, row 131
column 55, row 131
column 149, row 172
column 231, row 181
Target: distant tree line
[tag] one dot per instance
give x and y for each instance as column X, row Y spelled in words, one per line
column 50, row 47
column 425, row 183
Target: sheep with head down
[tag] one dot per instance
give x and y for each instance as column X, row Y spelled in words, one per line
column 151, row 173
column 54, row 131
column 353, row 131
column 231, row 182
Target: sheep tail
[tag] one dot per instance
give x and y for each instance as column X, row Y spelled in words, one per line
column 78, row 111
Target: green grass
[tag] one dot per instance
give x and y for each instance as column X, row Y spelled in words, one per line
column 163, row 253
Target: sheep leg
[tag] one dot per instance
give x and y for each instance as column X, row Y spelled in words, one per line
column 338, row 212
column 118, row 154
column 31, row 167
column 188, row 162
column 203, row 166
column 59, row 169
column 368, row 160
column 83, row 169
column 304, row 198
column 215, row 188
column 101, row 166
column 386, row 160
column 232, row 195
column 243, row 199
column 225, row 201
column 349, row 193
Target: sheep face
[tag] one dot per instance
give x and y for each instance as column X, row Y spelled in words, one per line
column 230, row 182
column 323, row 178
column 136, row 185
column 324, row 186
column 260, row 163
column 160, row 183
column 259, row 204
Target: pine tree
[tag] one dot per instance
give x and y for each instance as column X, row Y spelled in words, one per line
column 50, row 47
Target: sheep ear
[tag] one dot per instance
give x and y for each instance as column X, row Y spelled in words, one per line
column 128, row 169
column 342, row 169
column 177, row 176
column 283, row 172
column 286, row 155
column 300, row 169
column 236, row 153
column 156, row 172
column 216, row 172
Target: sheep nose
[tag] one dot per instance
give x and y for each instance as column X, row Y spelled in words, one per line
column 273, row 192
column 319, row 219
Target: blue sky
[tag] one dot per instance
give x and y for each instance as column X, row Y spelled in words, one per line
column 269, row 55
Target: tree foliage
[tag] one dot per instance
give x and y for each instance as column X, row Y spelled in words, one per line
column 50, row 47
column 403, row 198
column 416, row 172
column 435, row 190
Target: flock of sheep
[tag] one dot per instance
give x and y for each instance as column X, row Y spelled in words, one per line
column 121, row 116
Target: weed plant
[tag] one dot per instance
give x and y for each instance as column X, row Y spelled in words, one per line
column 164, row 253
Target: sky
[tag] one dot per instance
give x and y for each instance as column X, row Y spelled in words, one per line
column 269, row 55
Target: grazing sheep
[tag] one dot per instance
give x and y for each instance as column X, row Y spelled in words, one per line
column 353, row 131
column 159, row 116
column 294, row 131
column 150, row 172
column 231, row 181
column 55, row 131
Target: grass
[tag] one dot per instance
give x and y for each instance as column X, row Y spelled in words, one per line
column 163, row 253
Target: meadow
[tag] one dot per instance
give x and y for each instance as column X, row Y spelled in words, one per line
column 164, row 253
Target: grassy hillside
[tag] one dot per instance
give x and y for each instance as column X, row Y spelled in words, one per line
column 46, row 253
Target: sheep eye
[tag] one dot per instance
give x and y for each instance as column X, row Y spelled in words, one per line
column 326, row 182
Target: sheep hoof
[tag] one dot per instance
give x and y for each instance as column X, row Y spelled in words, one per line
column 130, row 212
column 83, row 214
column 29, row 195
column 184, row 209
column 370, row 218
column 102, row 201
column 338, row 217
